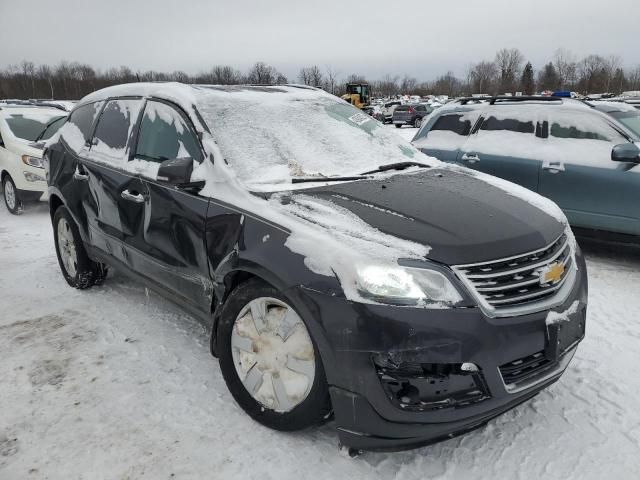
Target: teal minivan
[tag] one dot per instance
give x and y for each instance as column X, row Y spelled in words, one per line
column 585, row 159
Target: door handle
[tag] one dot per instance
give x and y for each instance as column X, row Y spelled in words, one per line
column 132, row 197
column 78, row 175
column 470, row 157
column 555, row 167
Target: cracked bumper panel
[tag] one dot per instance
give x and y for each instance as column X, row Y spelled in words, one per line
column 366, row 348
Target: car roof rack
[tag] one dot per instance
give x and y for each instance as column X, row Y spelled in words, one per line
column 507, row 99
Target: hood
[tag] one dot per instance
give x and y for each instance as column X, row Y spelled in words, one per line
column 463, row 219
column 23, row 147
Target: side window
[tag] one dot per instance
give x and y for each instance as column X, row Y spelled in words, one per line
column 493, row 123
column 583, row 127
column 448, row 130
column 83, row 118
column 114, row 130
column 456, row 123
column 165, row 134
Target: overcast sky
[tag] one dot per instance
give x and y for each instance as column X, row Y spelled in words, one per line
column 423, row 38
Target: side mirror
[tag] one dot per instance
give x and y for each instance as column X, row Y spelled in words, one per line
column 626, row 152
column 176, row 171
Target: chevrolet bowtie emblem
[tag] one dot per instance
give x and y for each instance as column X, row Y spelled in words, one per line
column 551, row 273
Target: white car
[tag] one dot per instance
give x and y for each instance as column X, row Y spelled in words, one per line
column 21, row 167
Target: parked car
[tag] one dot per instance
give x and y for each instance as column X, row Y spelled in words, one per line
column 413, row 300
column 625, row 114
column 410, row 115
column 389, row 108
column 21, row 169
column 584, row 160
column 374, row 111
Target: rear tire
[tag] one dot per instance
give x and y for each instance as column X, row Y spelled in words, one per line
column 11, row 196
column 267, row 363
column 398, row 125
column 417, row 122
column 77, row 268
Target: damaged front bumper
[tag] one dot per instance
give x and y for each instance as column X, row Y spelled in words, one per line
column 404, row 377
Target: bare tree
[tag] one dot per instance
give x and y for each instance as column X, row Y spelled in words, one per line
column 482, row 77
column 408, row 84
column 566, row 67
column 592, row 71
column 263, row 74
column 509, row 62
column 331, row 79
column 311, row 76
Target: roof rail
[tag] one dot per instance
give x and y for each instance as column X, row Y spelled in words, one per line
column 31, row 103
column 506, row 98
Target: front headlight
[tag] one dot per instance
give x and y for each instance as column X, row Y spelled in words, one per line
column 32, row 161
column 407, row 286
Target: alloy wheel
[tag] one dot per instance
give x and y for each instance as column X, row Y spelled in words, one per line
column 273, row 354
column 67, row 247
column 10, row 194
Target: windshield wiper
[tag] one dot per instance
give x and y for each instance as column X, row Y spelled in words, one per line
column 327, row 179
column 397, row 166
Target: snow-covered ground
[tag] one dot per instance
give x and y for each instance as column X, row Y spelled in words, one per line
column 118, row 383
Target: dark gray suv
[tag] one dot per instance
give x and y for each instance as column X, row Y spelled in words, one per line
column 339, row 270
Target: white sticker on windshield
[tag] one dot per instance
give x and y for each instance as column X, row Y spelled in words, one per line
column 359, row 118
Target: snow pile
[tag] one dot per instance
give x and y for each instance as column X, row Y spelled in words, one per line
column 559, row 317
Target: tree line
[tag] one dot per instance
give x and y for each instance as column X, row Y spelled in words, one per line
column 507, row 72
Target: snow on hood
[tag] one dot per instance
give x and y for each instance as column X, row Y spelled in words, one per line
column 348, row 242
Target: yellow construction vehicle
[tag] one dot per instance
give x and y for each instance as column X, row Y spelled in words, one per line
column 357, row 94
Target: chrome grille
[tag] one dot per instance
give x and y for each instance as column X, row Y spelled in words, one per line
column 516, row 281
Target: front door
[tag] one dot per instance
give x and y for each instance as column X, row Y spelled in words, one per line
column 506, row 145
column 579, row 175
column 174, row 225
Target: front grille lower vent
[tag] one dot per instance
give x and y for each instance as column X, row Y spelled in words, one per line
column 524, row 368
column 522, row 279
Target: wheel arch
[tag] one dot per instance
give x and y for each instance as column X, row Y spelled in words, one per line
column 55, row 202
column 231, row 279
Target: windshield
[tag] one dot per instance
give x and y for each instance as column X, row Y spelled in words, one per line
column 631, row 120
column 28, row 126
column 52, row 128
column 270, row 136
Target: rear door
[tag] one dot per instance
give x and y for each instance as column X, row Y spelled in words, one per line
column 67, row 164
column 443, row 135
column 175, row 253
column 115, row 205
column 506, row 144
column 579, row 175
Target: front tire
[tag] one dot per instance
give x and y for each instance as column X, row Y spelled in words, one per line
column 11, row 196
column 269, row 361
column 398, row 125
column 77, row 268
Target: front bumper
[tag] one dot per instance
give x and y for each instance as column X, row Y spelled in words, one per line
column 361, row 343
